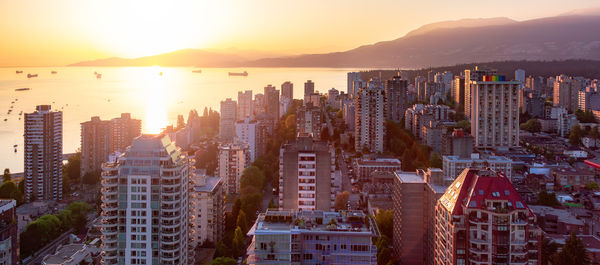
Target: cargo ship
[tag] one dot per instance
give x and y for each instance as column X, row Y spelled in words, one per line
column 238, row 74
column 31, row 75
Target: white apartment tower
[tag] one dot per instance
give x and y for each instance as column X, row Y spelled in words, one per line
column 43, row 154
column 495, row 112
column 207, row 209
column 370, row 117
column 228, row 119
column 245, row 132
column 233, row 159
column 145, row 204
column 245, row 105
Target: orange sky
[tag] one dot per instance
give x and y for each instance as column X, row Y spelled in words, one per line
column 60, row 32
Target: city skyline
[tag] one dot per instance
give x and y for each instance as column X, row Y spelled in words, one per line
column 73, row 31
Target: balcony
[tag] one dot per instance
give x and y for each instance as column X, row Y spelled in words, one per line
column 477, row 221
column 478, row 260
column 478, row 241
column 519, row 222
column 518, row 261
column 478, row 250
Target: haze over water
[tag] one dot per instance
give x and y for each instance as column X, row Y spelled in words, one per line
column 141, row 91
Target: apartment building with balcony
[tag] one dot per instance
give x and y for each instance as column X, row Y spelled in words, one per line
column 145, row 204
column 313, row 237
column 207, row 209
column 481, row 219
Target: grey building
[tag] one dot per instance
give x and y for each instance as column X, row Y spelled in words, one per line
column 305, row 175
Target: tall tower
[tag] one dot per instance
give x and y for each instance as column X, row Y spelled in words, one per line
column 95, row 144
column 396, row 90
column 287, row 90
column 124, row 130
column 233, row 158
column 245, row 105
column 228, row 119
column 145, row 204
column 43, row 154
column 495, row 114
column 370, row 117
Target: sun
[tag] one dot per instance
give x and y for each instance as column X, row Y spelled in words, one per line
column 142, row 28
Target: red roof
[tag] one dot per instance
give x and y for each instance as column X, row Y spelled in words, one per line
column 472, row 188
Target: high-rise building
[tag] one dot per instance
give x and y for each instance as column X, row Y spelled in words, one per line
column 414, row 196
column 259, row 104
column 309, row 89
column 369, row 127
column 308, row 121
column 471, row 75
column 495, row 112
column 454, row 165
column 287, row 90
column 9, row 232
column 95, row 145
column 396, row 92
column 228, row 119
column 305, row 175
column 419, row 115
column 313, row 237
column 566, row 93
column 458, row 92
column 207, row 208
column 245, row 105
column 481, row 219
column 145, row 204
column 246, row 132
column 101, row 138
column 352, row 77
column 124, row 130
column 232, row 160
column 43, row 154
column 458, row 143
column 272, row 103
column 349, row 115
column 520, row 76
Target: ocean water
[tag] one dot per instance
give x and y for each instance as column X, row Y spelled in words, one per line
column 155, row 99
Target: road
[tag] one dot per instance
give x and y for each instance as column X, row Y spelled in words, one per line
column 328, row 120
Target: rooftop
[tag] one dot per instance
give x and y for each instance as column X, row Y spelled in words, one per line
column 286, row 221
column 69, row 253
column 563, row 216
column 409, row 177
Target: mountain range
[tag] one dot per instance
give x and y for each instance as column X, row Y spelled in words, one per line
column 573, row 35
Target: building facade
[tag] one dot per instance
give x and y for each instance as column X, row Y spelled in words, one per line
column 287, row 90
column 123, row 130
column 495, row 116
column 232, row 160
column 228, row 119
column 43, row 154
column 145, row 204
column 369, row 127
column 207, row 209
column 308, row 121
column 305, row 175
column 396, row 93
column 245, row 105
column 419, row 115
column 313, row 237
column 454, row 165
column 481, row 219
column 9, row 235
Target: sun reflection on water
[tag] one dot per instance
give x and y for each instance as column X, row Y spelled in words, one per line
column 156, row 93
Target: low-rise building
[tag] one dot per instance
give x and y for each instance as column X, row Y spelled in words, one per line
column 8, row 232
column 365, row 167
column 571, row 178
column 72, row 254
column 557, row 221
column 313, row 237
column 454, row 165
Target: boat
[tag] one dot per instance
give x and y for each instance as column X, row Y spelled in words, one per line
column 22, row 89
column 15, row 150
column 98, row 76
column 5, row 119
column 238, row 74
column 31, row 75
column 21, row 113
column 197, row 71
column 53, row 72
column 15, row 146
column 19, row 72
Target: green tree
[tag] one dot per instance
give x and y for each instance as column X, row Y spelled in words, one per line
column 223, row 261
column 238, row 243
column 435, row 161
column 79, row 211
column 72, row 170
column 252, row 176
column 592, row 186
column 385, row 222
column 547, row 199
column 222, row 250
column 8, row 190
column 241, row 221
column 549, row 249
column 573, row 252
column 575, row 135
column 341, row 200
column 6, row 177
column 532, row 126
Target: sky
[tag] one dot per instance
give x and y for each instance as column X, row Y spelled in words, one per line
column 61, row 32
